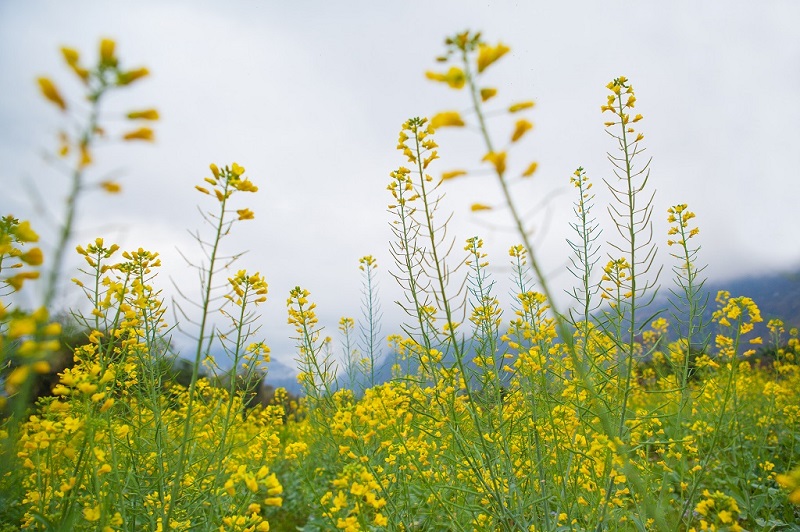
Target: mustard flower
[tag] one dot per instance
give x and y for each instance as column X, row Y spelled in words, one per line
column 531, row 169
column 111, row 187
column 453, row 174
column 107, row 47
column 72, row 58
column 126, row 78
column 488, row 93
column 146, row 114
column 454, row 77
column 520, row 106
column 498, row 160
column 522, row 126
column 143, row 133
column 245, row 214
column 447, row 119
column 50, row 92
column 487, row 55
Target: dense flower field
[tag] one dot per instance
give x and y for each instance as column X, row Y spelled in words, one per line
column 612, row 415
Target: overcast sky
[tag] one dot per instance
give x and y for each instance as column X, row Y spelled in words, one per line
column 309, row 98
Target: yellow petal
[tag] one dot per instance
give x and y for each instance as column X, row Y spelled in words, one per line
column 447, row 119
column 146, row 114
column 522, row 127
column 143, row 133
column 453, row 174
column 50, row 92
column 515, row 108
column 126, row 78
column 489, row 54
column 107, row 51
column 454, row 77
column 498, row 160
column 111, row 187
column 531, row 169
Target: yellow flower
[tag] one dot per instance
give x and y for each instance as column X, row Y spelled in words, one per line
column 24, row 233
column 126, row 78
column 517, row 107
column 479, row 207
column 86, row 156
column 92, row 513
column 487, row 94
column 489, row 54
column 111, row 187
column 498, row 160
column 245, row 214
column 146, row 114
column 32, row 257
column 17, row 377
column 107, row 52
column 454, row 77
column 522, row 127
column 273, row 501
column 17, row 280
column 143, row 133
column 41, row 367
column 72, row 57
column 453, row 174
column 447, row 119
column 50, row 92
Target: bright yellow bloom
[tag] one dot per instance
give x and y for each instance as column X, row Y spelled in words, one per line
column 487, row 93
column 107, row 52
column 24, row 232
column 453, row 174
column 32, row 257
column 111, row 187
column 17, row 377
column 245, row 214
column 489, row 54
column 517, row 107
column 72, row 57
column 447, row 119
column 522, row 127
column 454, row 77
column 498, row 160
column 143, row 133
column 126, row 78
column 92, row 513
column 50, row 92
column 475, row 207
column 146, row 114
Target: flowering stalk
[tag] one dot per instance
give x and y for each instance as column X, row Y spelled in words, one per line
column 105, row 77
column 224, row 183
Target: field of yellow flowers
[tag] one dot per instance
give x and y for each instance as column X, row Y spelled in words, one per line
column 609, row 415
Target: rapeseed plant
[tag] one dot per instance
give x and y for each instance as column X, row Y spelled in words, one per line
column 609, row 416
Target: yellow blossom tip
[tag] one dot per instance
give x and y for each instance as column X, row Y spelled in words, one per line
column 143, row 133
column 50, row 92
column 447, row 119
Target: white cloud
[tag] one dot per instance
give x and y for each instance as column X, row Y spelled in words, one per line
column 309, row 97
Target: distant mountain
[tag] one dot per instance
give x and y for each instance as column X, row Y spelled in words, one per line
column 776, row 295
column 282, row 376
